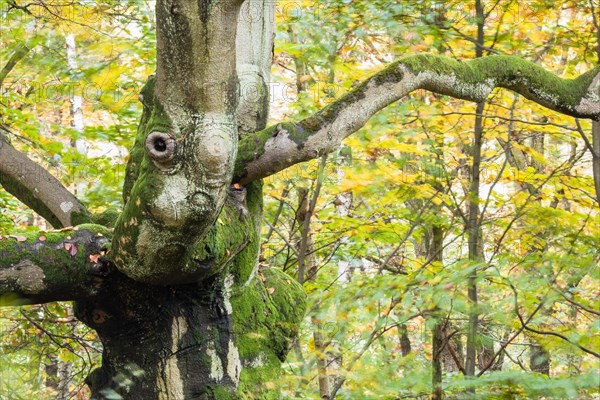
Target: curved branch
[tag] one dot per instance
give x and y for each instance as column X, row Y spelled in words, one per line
column 38, row 189
column 283, row 145
column 53, row 266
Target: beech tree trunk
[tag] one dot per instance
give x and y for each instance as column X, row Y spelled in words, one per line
column 192, row 341
column 225, row 335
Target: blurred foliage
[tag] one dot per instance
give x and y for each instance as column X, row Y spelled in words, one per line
column 406, row 174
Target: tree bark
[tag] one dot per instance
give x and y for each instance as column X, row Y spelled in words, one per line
column 405, row 346
column 283, row 145
column 222, row 340
column 473, row 225
column 435, row 253
column 53, row 266
column 596, row 157
column 539, row 359
column 33, row 185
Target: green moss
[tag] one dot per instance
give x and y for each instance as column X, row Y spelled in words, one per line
column 228, row 233
column 510, row 72
column 199, row 337
column 61, row 266
column 232, row 239
column 154, row 118
column 147, row 92
column 250, row 148
column 245, row 263
column 158, row 121
column 265, row 314
column 328, row 114
column 81, row 217
column 216, row 392
column 137, row 152
column 265, row 319
column 107, row 218
column 142, row 184
column 97, row 229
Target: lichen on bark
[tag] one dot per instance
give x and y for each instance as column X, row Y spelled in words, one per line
column 52, row 266
column 280, row 146
column 171, row 207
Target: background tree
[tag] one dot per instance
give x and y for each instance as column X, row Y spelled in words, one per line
column 177, row 293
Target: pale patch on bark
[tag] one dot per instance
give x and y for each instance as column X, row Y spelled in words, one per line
column 215, row 148
column 451, row 85
column 280, row 146
column 252, row 89
column 26, row 275
column 253, row 272
column 254, row 56
column 355, row 115
column 591, row 103
column 216, row 367
column 228, row 284
column 234, row 366
column 587, row 106
column 172, row 204
column 257, row 361
column 111, row 394
column 190, row 192
column 66, row 206
column 169, row 380
column 445, row 84
column 280, row 150
column 149, row 242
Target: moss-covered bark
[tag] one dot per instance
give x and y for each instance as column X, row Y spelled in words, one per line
column 221, row 338
column 53, row 266
column 224, row 341
column 278, row 147
column 182, row 161
column 179, row 304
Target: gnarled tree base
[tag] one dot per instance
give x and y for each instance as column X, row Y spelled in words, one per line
column 217, row 340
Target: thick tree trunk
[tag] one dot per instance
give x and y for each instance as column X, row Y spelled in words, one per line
column 188, row 342
column 222, row 338
column 225, row 336
column 405, row 346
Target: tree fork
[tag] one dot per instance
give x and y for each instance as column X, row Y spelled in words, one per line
column 186, row 143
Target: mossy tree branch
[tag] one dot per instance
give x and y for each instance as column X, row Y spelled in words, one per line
column 33, row 185
column 53, row 266
column 281, row 146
